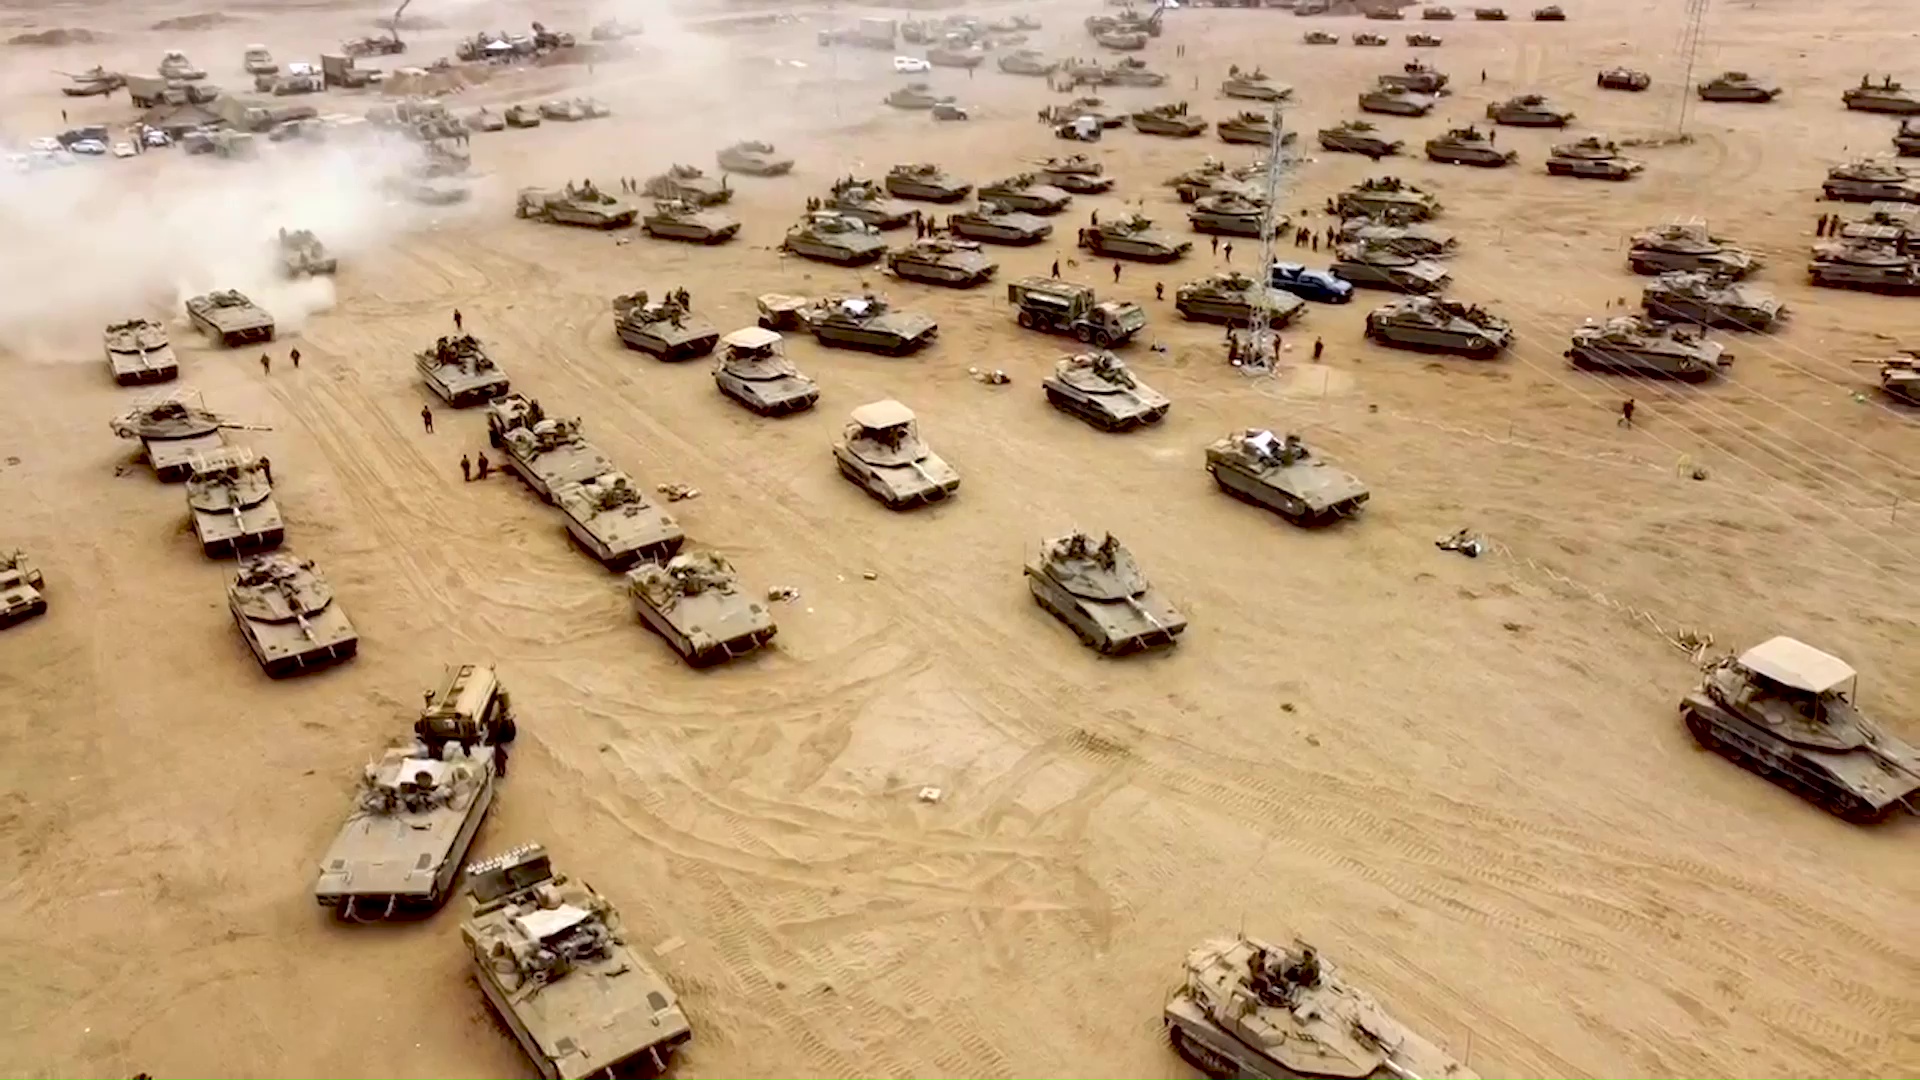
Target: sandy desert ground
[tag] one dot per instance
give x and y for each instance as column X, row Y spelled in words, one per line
column 1463, row 779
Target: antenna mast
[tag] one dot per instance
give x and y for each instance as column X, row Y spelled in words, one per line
column 1690, row 48
column 1264, row 355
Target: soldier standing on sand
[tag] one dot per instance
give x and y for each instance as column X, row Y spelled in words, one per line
column 295, row 357
column 426, row 417
column 466, row 469
column 1319, row 346
column 1626, row 413
column 266, row 364
column 1229, row 250
column 483, row 468
column 1116, row 273
column 1216, row 245
column 1159, row 290
column 458, row 322
column 1056, row 268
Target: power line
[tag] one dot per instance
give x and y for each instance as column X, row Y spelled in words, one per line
column 1690, row 47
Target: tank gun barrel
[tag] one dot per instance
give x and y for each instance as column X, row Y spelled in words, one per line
column 236, row 426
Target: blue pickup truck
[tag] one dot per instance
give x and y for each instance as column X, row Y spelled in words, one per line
column 1322, row 286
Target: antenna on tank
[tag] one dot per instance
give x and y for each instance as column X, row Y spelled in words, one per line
column 1690, row 48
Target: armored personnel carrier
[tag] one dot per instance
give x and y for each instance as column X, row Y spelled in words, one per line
column 755, row 371
column 688, row 184
column 1133, row 237
column 867, row 201
column 1631, row 345
column 1424, row 241
column 867, row 322
column 673, row 219
column 1233, row 298
column 1550, row 13
column 138, row 351
column 1592, row 158
column 22, row 589
column 1387, row 195
column 1900, row 376
column 1168, row 119
column 829, row 236
column 231, row 502
column 1396, row 101
column 303, row 255
column 1620, row 78
column 1248, row 1008
column 667, row 328
column 754, row 158
column 1320, row 37
column 1076, row 173
column 549, row 954
column 1789, row 712
column 610, row 517
column 695, row 603
column 1687, row 246
column 174, row 432
column 1529, row 110
column 1363, row 37
column 1416, row 76
column 1088, row 108
column 1359, row 137
column 1370, row 267
column 939, row 261
column 1231, row 215
column 1437, row 14
column 1249, row 128
column 459, row 370
column 550, row 454
column 996, row 223
column 1025, row 191
column 1212, row 178
column 1066, row 307
column 1893, row 224
column 1097, row 589
column 1738, row 86
column 1887, row 97
column 1026, row 62
column 1690, row 296
column 1871, row 180
column 1423, row 40
column 926, row 183
column 584, row 205
column 1429, row 324
column 287, row 613
column 229, row 318
column 1906, row 141
column 881, row 453
column 916, row 95
column 1865, row 267
column 1254, row 85
column 1469, row 146
column 1284, row 476
column 1490, row 14
column 175, row 65
column 1097, row 387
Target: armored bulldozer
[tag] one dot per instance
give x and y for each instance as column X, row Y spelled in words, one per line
column 830, row 236
column 881, row 453
column 228, row 317
column 1529, row 110
column 1066, row 307
column 174, row 432
column 1232, row 215
column 869, row 323
column 550, row 956
column 22, row 589
column 695, row 603
column 996, row 223
column 1026, row 62
column 1469, row 146
column 1790, row 712
column 667, row 328
column 754, row 370
column 1249, row 128
column 1133, row 237
column 1886, row 97
column 1235, row 298
column 1592, row 158
column 230, row 499
column 1284, row 476
column 1738, row 86
column 1359, row 137
column 303, row 255
column 610, row 517
column 1871, row 180
column 139, row 351
column 1387, row 195
column 673, row 219
column 584, row 205
column 1254, row 85
column 287, row 613
column 175, row 65
column 916, row 95
column 1864, row 267
column 1631, row 345
column 1369, row 39
column 1687, row 246
column 1099, row 388
column 1396, row 101
column 688, row 184
column 1620, row 78
column 927, row 183
column 1076, row 173
column 1248, row 1008
column 1373, row 267
column 1899, row 376
column 459, row 370
column 550, row 454
column 754, row 158
column 1097, row 589
column 939, row 261
column 867, row 201
column 1320, row 37
column 1691, row 296
column 1424, row 241
column 1025, row 191
column 1429, row 324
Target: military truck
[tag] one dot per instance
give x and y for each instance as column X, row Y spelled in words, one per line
column 867, row 201
column 1738, row 86
column 995, row 223
column 830, row 236
column 1284, row 476
column 694, row 603
column 1899, row 375
column 916, row 95
column 230, row 500
column 688, row 184
column 611, row 518
column 1469, row 146
column 338, row 69
column 228, row 317
column 1396, row 101
column 869, row 323
column 1529, row 110
column 1369, row 39
column 550, row 454
column 1371, row 267
column 139, row 351
column 927, row 183
column 1593, row 158
column 1864, row 267
column 672, row 219
column 940, row 261
column 303, row 255
column 755, row 158
column 459, row 370
column 1387, row 195
column 754, row 370
column 1430, row 324
column 1232, row 215
column 287, row 614
column 1026, row 62
column 1066, row 307
column 1249, row 1008
column 174, row 432
column 1790, row 712
column 1423, row 40
column 1621, row 78
column 881, row 453
column 1025, row 191
column 584, row 205
column 1707, row 300
column 1248, row 128
column 1320, row 37
column 1887, row 97
column 471, row 707
column 1359, row 137
column 1076, row 173
column 509, row 411
column 1687, row 246
column 550, row 956
column 1132, row 237
column 1097, row 589
column 1631, row 345
column 1871, row 180
column 22, row 589
column 1424, row 241
column 1254, row 85
column 1099, row 388
column 667, row 327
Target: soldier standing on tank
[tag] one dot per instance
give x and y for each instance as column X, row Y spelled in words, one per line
column 466, row 469
column 266, row 364
column 266, row 470
column 426, row 417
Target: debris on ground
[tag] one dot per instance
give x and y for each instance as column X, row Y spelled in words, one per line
column 996, row 377
column 677, row 492
column 1463, row 542
column 871, row 575
column 930, row 794
column 783, row 593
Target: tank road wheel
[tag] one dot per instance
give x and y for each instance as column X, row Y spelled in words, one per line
column 1478, row 345
column 1200, row 1057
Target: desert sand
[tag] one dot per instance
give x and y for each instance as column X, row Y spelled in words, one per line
column 1463, row 779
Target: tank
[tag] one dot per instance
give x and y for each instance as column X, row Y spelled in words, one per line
column 1691, row 296
column 1120, row 40
column 1365, row 38
column 1430, row 324
column 940, row 261
column 1097, row 589
column 1906, row 141
column 22, row 589
column 1169, row 119
column 1387, row 195
column 1254, row 85
column 881, row 452
column 1594, row 158
column 1395, row 101
column 1469, row 146
column 754, row 370
column 459, row 370
column 1893, row 224
column 522, row 116
column 1025, row 191
column 1320, row 37
column 1529, row 110
column 1248, row 1008
column 945, row 56
column 174, row 432
column 550, row 955
column 667, row 328
column 1900, row 376
column 1886, row 97
column 673, row 219
column 867, row 201
column 230, row 499
column 1284, row 476
column 1232, row 297
column 1631, row 345
column 1424, row 241
column 867, row 322
column 1248, row 128
column 229, row 318
column 1076, row 173
column 1359, row 137
column 1083, row 108
column 926, row 183
column 1737, row 86
column 1687, row 246
column 1620, row 78
column 1133, row 237
column 1437, row 14
column 584, row 205
column 1372, row 267
column 1490, row 14
column 287, row 613
column 139, row 351
column 258, row 60
column 1212, row 178
column 997, row 223
column 608, row 515
column 828, row 236
column 1026, row 62
column 175, row 65
column 1098, row 387
column 1423, row 40
column 1865, row 267
column 1416, row 76
column 695, row 603
column 1790, row 712
column 688, row 184
column 755, row 159
column 303, row 255
column 1871, row 180
column 1550, row 13
column 916, row 95
column 550, row 454
column 1231, row 215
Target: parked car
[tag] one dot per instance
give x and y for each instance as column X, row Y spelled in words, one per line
column 1320, row 286
column 910, row 65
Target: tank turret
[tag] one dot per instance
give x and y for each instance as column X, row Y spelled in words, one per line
column 1096, row 588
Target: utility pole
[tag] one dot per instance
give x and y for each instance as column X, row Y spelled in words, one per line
column 1263, row 354
column 1689, row 48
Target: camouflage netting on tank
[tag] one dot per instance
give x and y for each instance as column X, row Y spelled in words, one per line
column 690, row 574
column 1095, row 571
